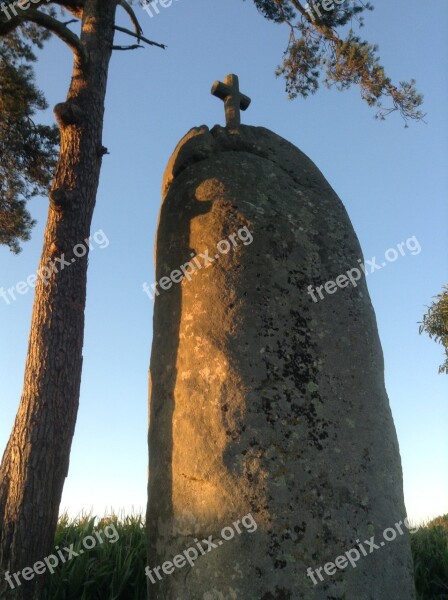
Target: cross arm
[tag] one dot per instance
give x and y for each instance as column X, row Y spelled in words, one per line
column 222, row 91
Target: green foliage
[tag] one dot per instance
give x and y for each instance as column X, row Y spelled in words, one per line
column 435, row 323
column 109, row 571
column 430, row 552
column 117, row 571
column 317, row 54
column 27, row 150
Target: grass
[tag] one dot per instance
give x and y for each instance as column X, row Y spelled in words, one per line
column 109, row 571
column 116, row 571
column 430, row 552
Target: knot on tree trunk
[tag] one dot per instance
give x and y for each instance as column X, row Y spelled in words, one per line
column 61, row 199
column 68, row 113
column 102, row 150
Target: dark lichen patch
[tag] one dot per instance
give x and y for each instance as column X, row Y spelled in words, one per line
column 300, row 530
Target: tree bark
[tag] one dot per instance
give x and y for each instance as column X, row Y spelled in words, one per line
column 36, row 459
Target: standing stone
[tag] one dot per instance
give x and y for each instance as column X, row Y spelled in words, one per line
column 263, row 401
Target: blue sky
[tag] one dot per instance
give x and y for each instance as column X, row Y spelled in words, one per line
column 393, row 182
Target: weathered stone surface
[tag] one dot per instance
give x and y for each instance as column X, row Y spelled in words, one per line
column 263, row 401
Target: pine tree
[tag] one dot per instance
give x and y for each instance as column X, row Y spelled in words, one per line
column 35, row 462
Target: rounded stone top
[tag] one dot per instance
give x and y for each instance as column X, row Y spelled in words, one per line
column 201, row 143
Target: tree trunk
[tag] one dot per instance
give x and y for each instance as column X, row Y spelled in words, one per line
column 36, row 459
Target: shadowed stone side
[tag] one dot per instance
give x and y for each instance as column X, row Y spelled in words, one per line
column 263, row 401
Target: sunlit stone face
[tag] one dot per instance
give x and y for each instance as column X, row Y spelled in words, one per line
column 264, row 402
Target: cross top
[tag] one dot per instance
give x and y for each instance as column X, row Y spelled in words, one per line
column 234, row 100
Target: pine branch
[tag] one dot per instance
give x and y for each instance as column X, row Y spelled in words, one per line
column 32, row 15
column 75, row 7
column 139, row 37
column 350, row 61
column 132, row 47
column 128, row 8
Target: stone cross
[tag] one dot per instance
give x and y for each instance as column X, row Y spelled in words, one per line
column 234, row 101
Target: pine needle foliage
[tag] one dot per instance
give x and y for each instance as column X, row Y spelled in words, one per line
column 324, row 48
column 27, row 149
